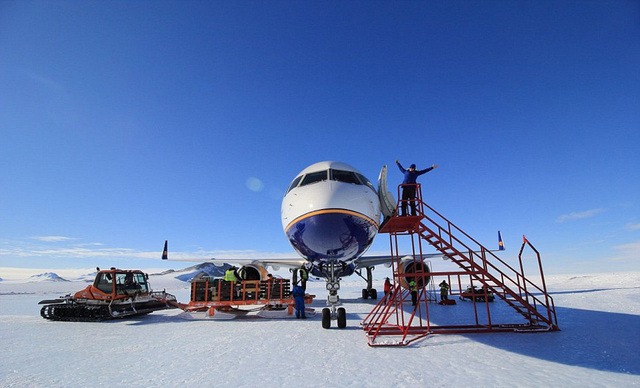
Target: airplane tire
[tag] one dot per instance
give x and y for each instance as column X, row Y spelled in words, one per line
column 373, row 293
column 342, row 318
column 326, row 318
column 365, row 294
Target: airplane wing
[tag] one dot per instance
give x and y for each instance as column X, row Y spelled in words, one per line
column 370, row 261
column 274, row 263
column 297, row 262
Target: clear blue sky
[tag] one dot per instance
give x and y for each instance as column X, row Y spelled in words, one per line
column 125, row 123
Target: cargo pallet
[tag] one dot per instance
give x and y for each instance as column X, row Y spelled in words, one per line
column 213, row 295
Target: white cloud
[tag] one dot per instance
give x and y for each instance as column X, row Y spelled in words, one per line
column 631, row 226
column 626, row 252
column 15, row 273
column 52, row 238
column 66, row 247
column 47, row 249
column 579, row 215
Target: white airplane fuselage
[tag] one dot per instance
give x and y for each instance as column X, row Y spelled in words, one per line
column 330, row 215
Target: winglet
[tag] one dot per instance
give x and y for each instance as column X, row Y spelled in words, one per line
column 165, row 252
column 500, row 243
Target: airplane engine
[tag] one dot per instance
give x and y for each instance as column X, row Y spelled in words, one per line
column 410, row 266
column 253, row 271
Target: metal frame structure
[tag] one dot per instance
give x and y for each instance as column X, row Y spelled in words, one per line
column 390, row 323
column 212, row 294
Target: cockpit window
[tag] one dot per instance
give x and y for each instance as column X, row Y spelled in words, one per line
column 344, row 176
column 365, row 181
column 335, row 175
column 294, row 183
column 314, row 177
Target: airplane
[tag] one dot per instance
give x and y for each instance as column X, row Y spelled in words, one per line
column 331, row 215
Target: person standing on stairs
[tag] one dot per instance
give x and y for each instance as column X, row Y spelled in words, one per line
column 409, row 192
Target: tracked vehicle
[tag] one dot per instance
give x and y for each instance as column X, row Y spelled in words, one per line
column 115, row 293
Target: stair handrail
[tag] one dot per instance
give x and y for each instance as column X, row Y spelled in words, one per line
column 485, row 263
column 491, row 270
column 420, row 204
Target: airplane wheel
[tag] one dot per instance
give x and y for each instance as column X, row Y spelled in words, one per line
column 373, row 293
column 326, row 318
column 365, row 294
column 342, row 318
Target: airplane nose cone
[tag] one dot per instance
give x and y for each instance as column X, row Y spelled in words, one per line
column 330, row 235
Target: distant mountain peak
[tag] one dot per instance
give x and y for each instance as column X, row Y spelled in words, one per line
column 48, row 277
column 210, row 269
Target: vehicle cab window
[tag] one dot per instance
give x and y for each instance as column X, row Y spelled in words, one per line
column 104, row 283
column 141, row 280
column 129, row 282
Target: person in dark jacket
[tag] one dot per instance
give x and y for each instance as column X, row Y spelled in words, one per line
column 409, row 192
column 444, row 290
column 298, row 296
column 270, row 286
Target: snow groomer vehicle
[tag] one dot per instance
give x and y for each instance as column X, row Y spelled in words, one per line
column 115, row 293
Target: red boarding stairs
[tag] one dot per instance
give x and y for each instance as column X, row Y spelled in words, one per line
column 389, row 324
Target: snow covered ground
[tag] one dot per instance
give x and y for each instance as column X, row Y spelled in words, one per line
column 598, row 346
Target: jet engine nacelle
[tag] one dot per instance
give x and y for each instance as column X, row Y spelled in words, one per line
column 253, row 271
column 410, row 266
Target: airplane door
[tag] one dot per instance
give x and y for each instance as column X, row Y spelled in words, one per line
column 387, row 201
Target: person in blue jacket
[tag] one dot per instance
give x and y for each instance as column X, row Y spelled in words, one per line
column 298, row 296
column 409, row 192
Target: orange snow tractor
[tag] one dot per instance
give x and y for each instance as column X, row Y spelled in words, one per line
column 115, row 293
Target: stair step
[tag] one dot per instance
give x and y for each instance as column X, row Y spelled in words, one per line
column 539, row 328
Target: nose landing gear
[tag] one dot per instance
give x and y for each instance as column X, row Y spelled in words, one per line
column 333, row 300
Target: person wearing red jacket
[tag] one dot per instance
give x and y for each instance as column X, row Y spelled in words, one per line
column 387, row 287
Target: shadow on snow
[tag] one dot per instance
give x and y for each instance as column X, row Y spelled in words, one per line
column 591, row 339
